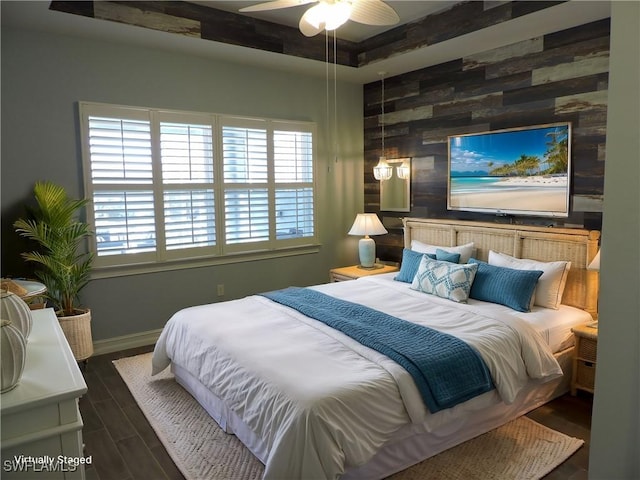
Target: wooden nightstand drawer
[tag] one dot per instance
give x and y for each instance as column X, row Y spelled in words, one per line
column 584, row 358
column 587, row 349
column 586, row 375
column 336, row 277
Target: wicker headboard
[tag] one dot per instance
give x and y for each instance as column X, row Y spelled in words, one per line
column 545, row 244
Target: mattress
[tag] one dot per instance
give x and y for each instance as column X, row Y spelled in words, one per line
column 357, row 400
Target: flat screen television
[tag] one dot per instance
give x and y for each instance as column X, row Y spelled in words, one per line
column 515, row 171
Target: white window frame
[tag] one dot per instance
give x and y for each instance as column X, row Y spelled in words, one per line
column 221, row 252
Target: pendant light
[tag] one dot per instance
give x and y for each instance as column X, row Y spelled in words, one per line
column 382, row 171
column 403, row 171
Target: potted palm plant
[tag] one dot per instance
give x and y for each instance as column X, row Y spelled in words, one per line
column 63, row 267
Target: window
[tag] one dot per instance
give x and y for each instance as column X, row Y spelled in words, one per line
column 168, row 185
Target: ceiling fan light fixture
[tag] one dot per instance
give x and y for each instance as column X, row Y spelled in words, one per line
column 338, row 14
column 315, row 15
column 331, row 14
column 328, row 15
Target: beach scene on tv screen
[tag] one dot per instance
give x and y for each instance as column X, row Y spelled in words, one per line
column 516, row 170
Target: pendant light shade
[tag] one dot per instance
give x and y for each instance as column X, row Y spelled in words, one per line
column 403, row 171
column 382, row 171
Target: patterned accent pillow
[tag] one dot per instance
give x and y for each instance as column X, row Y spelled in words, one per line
column 445, row 279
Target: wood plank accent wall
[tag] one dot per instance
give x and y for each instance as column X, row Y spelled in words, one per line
column 558, row 77
column 209, row 23
column 461, row 19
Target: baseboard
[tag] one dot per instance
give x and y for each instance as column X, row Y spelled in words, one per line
column 125, row 342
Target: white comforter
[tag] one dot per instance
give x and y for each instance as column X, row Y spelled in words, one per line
column 320, row 401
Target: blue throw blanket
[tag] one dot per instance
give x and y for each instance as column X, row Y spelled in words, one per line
column 446, row 370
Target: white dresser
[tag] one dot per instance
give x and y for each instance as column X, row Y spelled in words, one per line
column 41, row 422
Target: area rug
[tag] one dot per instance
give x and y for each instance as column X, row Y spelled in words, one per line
column 521, row 449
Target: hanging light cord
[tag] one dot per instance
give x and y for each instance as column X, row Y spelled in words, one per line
column 335, row 92
column 326, row 63
column 382, row 119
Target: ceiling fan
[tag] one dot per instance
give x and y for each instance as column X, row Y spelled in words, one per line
column 330, row 14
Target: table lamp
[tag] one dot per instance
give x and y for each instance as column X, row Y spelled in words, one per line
column 595, row 263
column 367, row 224
column 595, row 266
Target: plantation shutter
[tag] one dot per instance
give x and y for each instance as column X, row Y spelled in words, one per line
column 246, row 196
column 121, row 173
column 293, row 169
column 168, row 185
column 186, row 153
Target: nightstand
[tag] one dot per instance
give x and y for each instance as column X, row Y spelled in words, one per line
column 584, row 358
column 354, row 272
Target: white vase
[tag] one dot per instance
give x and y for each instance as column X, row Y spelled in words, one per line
column 13, row 348
column 14, row 309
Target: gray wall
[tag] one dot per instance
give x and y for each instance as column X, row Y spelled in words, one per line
column 44, row 75
column 615, row 434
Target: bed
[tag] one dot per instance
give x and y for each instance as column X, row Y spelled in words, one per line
column 311, row 401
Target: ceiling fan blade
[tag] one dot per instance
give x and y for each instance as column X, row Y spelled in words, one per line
column 308, row 28
column 275, row 5
column 373, row 12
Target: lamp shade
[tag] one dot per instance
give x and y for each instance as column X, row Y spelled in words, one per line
column 595, row 263
column 404, row 171
column 382, row 171
column 367, row 224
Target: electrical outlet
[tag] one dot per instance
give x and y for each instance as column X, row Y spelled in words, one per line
column 220, row 290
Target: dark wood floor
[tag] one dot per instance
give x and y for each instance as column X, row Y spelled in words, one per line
column 125, row 447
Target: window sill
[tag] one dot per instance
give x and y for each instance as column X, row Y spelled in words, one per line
column 146, row 268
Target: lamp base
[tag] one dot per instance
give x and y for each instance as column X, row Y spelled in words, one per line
column 375, row 267
column 367, row 252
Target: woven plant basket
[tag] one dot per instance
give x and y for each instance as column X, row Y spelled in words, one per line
column 77, row 330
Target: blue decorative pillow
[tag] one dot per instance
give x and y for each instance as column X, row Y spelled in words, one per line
column 409, row 265
column 445, row 279
column 445, row 256
column 506, row 286
column 411, row 262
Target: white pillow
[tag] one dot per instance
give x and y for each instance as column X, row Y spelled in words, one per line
column 465, row 251
column 550, row 285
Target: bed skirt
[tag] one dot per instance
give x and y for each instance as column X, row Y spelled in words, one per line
column 411, row 445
